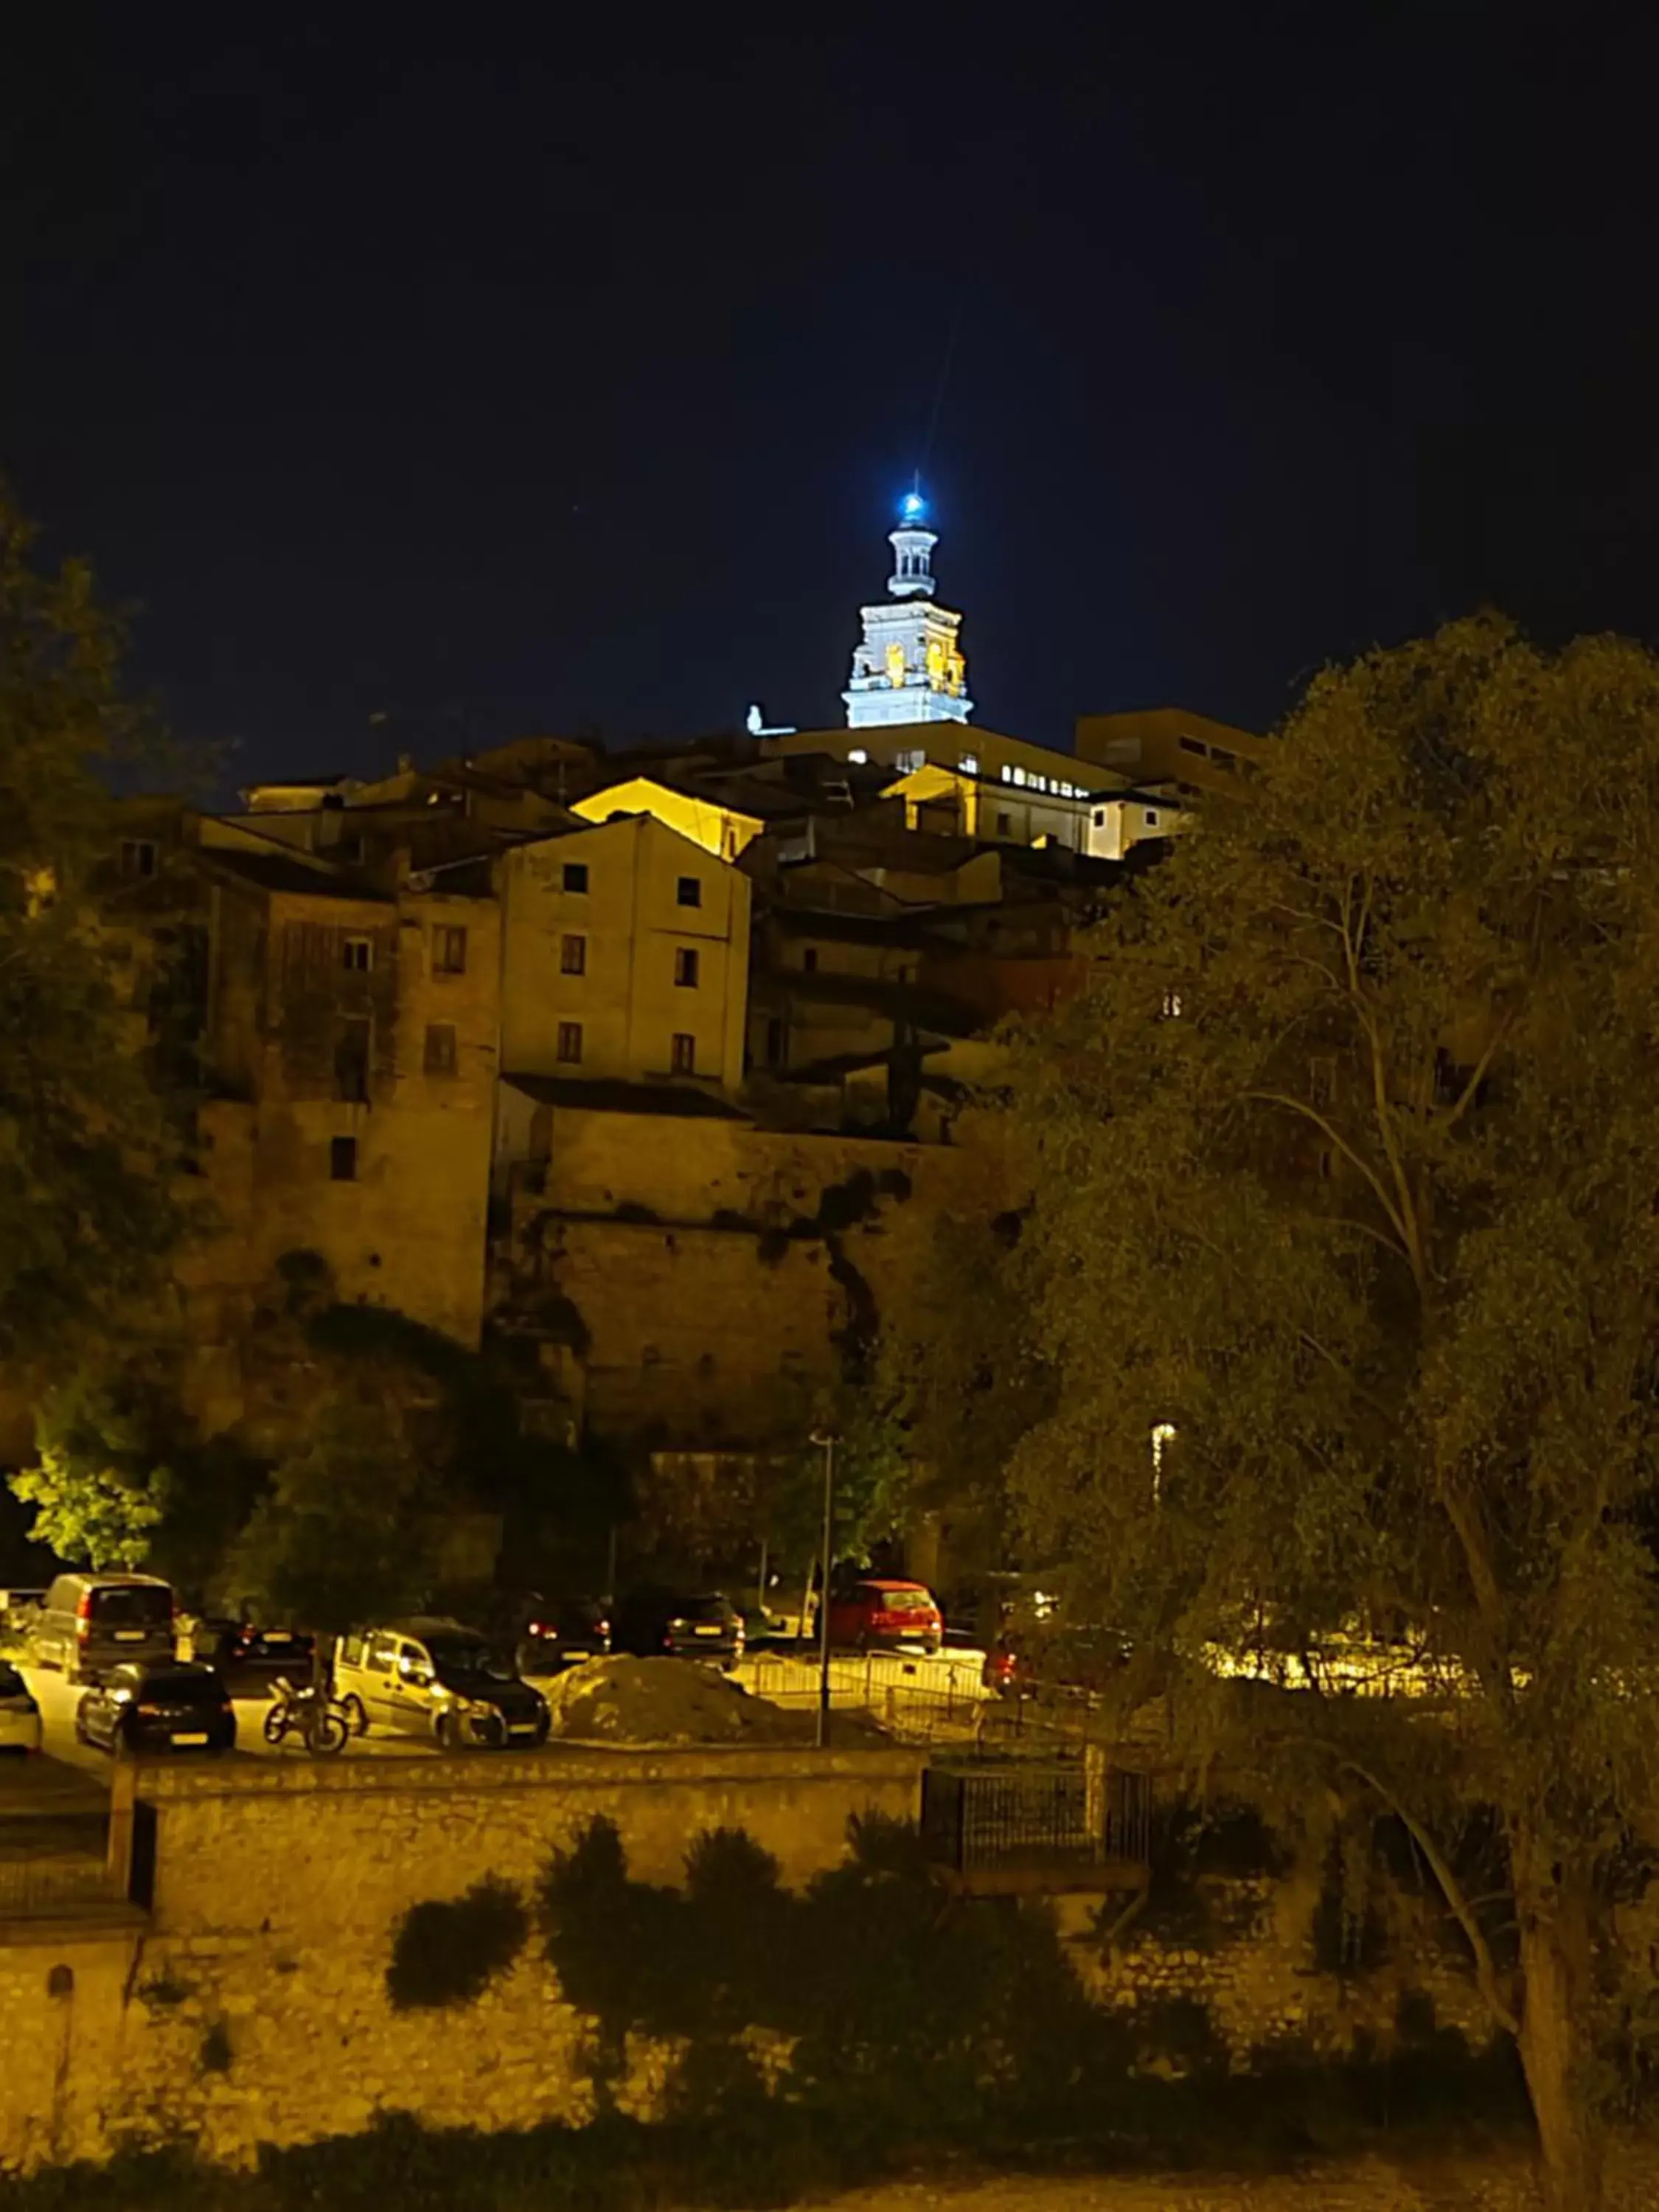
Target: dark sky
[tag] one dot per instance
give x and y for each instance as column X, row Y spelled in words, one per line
column 565, row 383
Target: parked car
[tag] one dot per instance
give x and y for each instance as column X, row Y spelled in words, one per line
column 20, row 1717
column 1054, row 1665
column 89, row 1624
column 439, row 1679
column 165, row 1705
column 238, row 1647
column 872, row 1615
column 655, row 1623
column 560, row 1632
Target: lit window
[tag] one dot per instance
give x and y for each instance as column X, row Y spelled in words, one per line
column 1019, row 776
column 685, row 967
column 137, row 857
column 1007, row 773
column 575, row 875
column 572, row 956
column 908, row 762
column 970, row 763
column 440, row 1049
column 357, row 953
column 690, row 892
column 449, row 951
column 570, row 1043
column 343, row 1159
column 684, row 1061
column 858, row 756
column 1172, row 1005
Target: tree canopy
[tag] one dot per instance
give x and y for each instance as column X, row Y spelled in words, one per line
column 86, row 1211
column 1346, row 1177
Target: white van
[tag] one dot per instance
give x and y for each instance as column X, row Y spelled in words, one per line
column 437, row 1678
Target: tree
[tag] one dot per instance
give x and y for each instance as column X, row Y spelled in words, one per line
column 1348, row 1193
column 342, row 1535
column 88, row 1216
column 98, row 1491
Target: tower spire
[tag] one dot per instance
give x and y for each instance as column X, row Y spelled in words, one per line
column 909, row 666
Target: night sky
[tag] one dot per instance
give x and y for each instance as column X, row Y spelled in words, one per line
column 505, row 387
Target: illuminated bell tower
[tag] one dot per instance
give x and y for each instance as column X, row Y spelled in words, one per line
column 909, row 666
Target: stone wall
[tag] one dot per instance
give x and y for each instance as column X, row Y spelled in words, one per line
column 1255, row 1970
column 710, row 1267
column 250, row 2003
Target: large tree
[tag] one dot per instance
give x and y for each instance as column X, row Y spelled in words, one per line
column 87, row 1214
column 1344, row 1257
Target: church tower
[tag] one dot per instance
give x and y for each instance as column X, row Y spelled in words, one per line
column 909, row 666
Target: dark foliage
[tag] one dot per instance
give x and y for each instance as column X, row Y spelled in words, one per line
column 448, row 1952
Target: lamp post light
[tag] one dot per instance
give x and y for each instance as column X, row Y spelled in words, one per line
column 827, row 1440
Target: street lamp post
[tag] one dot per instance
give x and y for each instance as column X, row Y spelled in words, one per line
column 826, row 1439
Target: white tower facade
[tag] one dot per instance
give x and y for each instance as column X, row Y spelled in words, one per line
column 909, row 666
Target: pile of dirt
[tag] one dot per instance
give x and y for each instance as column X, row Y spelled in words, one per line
column 674, row 1701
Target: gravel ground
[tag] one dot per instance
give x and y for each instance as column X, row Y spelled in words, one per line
column 1442, row 2185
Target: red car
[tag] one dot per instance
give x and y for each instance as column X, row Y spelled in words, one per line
column 871, row 1615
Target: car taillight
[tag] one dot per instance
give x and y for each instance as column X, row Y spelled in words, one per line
column 668, row 1640
column 149, row 1712
column 602, row 1628
column 538, row 1628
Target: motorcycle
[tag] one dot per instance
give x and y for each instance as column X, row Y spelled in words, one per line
column 318, row 1719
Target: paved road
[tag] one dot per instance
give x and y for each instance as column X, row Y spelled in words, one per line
column 792, row 1679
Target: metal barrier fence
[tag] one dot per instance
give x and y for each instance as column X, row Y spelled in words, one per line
column 1072, row 1818
column 928, row 1705
column 53, row 1859
column 38, row 1889
column 931, row 1704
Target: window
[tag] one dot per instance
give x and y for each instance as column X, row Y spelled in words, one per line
column 570, row 1043
column 1007, row 773
column 908, row 762
column 690, row 892
column 809, row 960
column 572, row 956
column 1172, row 1005
column 351, row 1060
column 1004, row 826
column 1100, row 817
column 684, row 1061
column 858, row 756
column 685, row 967
column 1193, row 745
column 1152, row 817
column 449, row 951
column 137, row 857
column 970, row 763
column 357, row 954
column 441, row 1047
column 1019, row 776
column 343, row 1159
column 575, row 875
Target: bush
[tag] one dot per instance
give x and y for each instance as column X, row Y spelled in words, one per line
column 448, row 1953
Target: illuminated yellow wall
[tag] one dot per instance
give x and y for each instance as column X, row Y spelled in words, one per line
column 632, row 925
column 721, row 830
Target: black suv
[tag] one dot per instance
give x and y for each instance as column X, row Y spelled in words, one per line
column 657, row 1623
column 168, row 1704
column 560, row 1631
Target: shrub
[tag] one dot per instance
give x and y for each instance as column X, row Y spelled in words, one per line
column 447, row 1953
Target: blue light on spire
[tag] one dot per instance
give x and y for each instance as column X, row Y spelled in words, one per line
column 913, row 507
